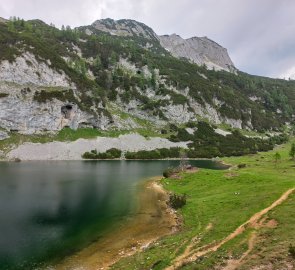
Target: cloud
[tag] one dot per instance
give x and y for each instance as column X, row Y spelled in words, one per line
column 259, row 35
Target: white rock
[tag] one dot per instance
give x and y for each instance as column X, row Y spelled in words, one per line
column 26, row 69
column 3, row 135
column 74, row 150
column 199, row 50
column 222, row 132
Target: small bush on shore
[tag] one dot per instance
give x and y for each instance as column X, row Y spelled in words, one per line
column 242, row 165
column 109, row 154
column 177, row 201
column 168, row 172
column 292, row 251
column 161, row 153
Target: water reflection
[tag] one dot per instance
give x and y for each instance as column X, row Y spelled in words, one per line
column 47, row 208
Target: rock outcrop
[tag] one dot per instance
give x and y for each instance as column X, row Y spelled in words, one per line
column 22, row 113
column 2, row 20
column 3, row 135
column 27, row 69
column 125, row 28
column 20, row 82
column 199, row 50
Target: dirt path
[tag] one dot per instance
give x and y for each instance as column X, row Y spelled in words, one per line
column 153, row 219
column 234, row 264
column 190, row 254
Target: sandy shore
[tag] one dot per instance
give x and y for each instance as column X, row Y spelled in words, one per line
column 152, row 220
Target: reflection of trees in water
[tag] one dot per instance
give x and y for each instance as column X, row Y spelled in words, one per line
column 54, row 206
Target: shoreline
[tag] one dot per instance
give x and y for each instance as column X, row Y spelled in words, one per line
column 153, row 219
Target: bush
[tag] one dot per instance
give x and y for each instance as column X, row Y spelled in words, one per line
column 292, row 251
column 173, row 152
column 177, row 201
column 3, row 95
column 168, row 172
column 242, row 165
column 109, row 154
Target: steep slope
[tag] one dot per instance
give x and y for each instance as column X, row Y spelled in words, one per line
column 199, row 50
column 86, row 77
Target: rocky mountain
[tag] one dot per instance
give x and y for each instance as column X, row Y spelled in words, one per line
column 117, row 77
column 2, row 20
column 125, row 28
column 199, row 50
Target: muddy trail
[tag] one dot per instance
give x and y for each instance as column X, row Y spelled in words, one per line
column 191, row 254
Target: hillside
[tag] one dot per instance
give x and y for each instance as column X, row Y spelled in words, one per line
column 116, row 76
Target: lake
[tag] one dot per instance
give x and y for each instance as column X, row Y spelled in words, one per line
column 51, row 209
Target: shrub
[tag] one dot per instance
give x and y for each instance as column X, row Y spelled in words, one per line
column 242, row 165
column 168, row 172
column 114, row 153
column 177, row 201
column 3, row 95
column 109, row 154
column 88, row 155
column 292, row 251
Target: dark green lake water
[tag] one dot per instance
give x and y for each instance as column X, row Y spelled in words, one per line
column 47, row 208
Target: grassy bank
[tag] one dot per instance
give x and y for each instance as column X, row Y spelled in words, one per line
column 218, row 202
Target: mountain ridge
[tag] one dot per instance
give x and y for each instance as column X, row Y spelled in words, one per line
column 200, row 50
column 52, row 79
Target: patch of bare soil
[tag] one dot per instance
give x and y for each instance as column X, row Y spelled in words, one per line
column 234, row 264
column 231, row 175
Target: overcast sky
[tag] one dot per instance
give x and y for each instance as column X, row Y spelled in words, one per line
column 259, row 34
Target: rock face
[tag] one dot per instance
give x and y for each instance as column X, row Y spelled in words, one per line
column 20, row 112
column 199, row 50
column 3, row 135
column 2, row 20
column 26, row 69
column 125, row 28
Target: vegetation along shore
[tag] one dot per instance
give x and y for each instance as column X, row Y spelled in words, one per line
column 241, row 218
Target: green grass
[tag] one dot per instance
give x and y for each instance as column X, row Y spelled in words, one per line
column 227, row 199
column 145, row 128
column 67, row 134
column 273, row 243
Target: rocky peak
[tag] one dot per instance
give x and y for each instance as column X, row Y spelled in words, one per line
column 2, row 20
column 125, row 28
column 200, row 50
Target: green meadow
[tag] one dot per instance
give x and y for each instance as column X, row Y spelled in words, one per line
column 218, row 202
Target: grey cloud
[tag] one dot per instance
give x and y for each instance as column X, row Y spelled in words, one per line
column 259, row 35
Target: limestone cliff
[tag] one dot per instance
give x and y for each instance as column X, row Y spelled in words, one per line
column 199, row 50
column 51, row 78
column 23, row 81
column 125, row 28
